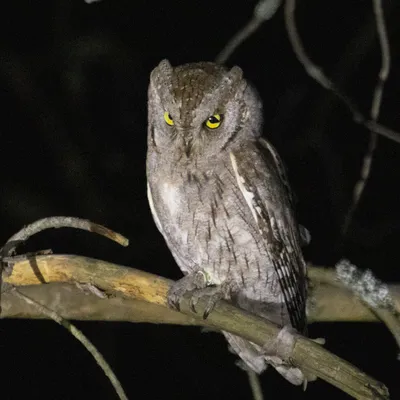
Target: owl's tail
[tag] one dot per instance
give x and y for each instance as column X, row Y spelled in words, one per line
column 253, row 357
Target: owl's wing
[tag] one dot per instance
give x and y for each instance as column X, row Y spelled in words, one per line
column 261, row 178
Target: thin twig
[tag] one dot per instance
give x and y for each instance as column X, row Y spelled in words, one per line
column 382, row 300
column 374, row 293
column 315, row 72
column 26, row 256
column 6, row 256
column 238, row 39
column 385, row 52
column 255, row 385
column 63, row 222
column 80, row 337
column 263, row 11
column 8, row 250
column 375, row 109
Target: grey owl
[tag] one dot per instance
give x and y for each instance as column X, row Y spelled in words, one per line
column 219, row 195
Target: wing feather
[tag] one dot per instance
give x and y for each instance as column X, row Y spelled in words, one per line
column 262, row 180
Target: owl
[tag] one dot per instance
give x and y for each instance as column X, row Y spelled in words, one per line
column 219, row 195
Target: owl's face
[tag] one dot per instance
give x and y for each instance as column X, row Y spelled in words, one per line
column 198, row 110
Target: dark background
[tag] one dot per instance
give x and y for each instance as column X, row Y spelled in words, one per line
column 73, row 81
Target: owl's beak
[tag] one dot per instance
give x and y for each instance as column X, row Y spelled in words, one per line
column 188, row 146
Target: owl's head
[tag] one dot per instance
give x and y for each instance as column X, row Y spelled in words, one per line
column 200, row 109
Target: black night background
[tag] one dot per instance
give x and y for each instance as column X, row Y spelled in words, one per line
column 73, row 80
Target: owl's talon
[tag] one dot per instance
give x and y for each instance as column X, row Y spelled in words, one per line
column 211, row 304
column 213, row 295
column 192, row 305
column 207, row 312
column 173, row 303
column 177, row 305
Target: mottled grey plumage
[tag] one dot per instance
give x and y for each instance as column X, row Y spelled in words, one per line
column 220, row 198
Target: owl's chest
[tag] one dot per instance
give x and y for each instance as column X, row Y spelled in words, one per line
column 207, row 224
column 190, row 205
column 172, row 196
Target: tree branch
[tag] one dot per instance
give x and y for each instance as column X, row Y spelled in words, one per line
column 149, row 288
column 375, row 109
column 263, row 11
column 316, row 73
column 326, row 304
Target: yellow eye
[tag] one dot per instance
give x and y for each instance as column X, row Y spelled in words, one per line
column 214, row 121
column 168, row 118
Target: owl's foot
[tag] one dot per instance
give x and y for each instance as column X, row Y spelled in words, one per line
column 279, row 351
column 196, row 283
column 189, row 283
column 283, row 345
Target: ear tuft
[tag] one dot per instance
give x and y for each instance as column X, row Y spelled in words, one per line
column 236, row 73
column 164, row 65
column 162, row 72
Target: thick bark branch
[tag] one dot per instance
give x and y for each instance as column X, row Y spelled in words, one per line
column 145, row 287
column 72, row 303
column 327, row 304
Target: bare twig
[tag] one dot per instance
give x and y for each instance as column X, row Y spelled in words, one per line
column 372, row 292
column 385, row 62
column 375, row 109
column 263, row 11
column 80, row 337
column 255, row 385
column 26, row 256
column 309, row 356
column 62, row 222
column 8, row 250
column 382, row 300
column 6, row 258
column 238, row 39
column 315, row 72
